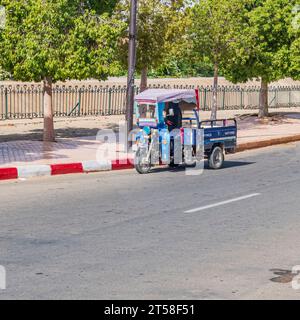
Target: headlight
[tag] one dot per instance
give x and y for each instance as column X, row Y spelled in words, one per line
column 147, row 130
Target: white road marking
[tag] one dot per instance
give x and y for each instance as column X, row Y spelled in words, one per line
column 223, row 203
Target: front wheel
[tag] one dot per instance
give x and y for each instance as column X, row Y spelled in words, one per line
column 142, row 166
column 216, row 158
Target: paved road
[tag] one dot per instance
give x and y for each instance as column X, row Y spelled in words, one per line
column 164, row 235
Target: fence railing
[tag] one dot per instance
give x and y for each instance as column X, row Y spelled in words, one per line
column 26, row 101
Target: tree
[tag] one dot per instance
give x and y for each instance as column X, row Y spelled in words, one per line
column 56, row 40
column 263, row 48
column 102, row 6
column 295, row 46
column 214, row 25
column 158, row 26
column 182, row 63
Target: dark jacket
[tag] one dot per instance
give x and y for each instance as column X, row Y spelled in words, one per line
column 173, row 121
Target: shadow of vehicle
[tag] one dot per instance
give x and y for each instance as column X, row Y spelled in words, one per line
column 232, row 164
column 181, row 168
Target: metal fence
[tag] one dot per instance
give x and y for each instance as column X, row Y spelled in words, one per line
column 26, row 101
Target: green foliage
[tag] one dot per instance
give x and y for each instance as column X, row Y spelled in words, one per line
column 4, row 75
column 80, row 39
column 59, row 39
column 295, row 46
column 180, row 59
column 102, row 6
column 214, row 24
column 262, row 48
column 181, row 65
column 158, row 27
column 162, row 46
column 295, row 60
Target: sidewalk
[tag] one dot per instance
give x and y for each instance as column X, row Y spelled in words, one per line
column 254, row 133
column 82, row 151
column 67, row 150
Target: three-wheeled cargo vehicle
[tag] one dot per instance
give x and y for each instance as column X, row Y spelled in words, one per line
column 159, row 112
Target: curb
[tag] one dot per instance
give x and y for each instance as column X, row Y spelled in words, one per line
column 267, row 143
column 23, row 172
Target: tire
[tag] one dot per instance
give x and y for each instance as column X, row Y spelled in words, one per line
column 216, row 158
column 141, row 168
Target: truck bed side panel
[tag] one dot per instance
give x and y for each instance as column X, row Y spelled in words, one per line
column 226, row 136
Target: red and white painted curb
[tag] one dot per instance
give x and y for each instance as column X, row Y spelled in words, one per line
column 23, row 172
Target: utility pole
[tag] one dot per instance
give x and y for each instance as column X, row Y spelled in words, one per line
column 131, row 65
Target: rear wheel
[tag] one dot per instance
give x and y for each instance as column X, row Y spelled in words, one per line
column 141, row 165
column 216, row 158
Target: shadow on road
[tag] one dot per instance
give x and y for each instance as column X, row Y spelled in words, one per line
column 227, row 165
column 231, row 164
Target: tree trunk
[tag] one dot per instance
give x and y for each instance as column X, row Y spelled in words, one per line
column 49, row 134
column 215, row 94
column 144, row 79
column 263, row 100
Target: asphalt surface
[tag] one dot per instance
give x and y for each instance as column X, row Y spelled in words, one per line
column 227, row 234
